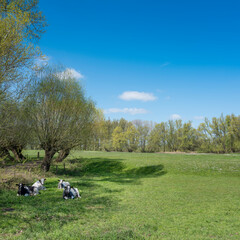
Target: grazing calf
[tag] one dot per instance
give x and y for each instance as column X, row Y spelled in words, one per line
column 24, row 190
column 70, row 193
column 62, row 184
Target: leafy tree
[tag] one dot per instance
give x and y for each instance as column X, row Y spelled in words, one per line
column 119, row 139
column 15, row 133
column 99, row 132
column 60, row 114
column 172, row 140
column 188, row 138
column 143, row 128
column 132, row 138
column 109, row 127
column 158, row 138
column 21, row 25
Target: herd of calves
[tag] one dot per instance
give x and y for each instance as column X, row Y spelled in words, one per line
column 68, row 191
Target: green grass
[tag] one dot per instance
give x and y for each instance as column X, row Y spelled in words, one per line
column 131, row 196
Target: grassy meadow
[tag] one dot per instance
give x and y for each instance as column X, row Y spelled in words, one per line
column 130, row 196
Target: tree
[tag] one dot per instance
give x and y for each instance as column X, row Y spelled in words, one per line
column 60, row 114
column 21, row 25
column 132, row 137
column 109, row 127
column 158, row 138
column 119, row 139
column 15, row 132
column 99, row 132
column 188, row 138
column 172, row 136
column 144, row 128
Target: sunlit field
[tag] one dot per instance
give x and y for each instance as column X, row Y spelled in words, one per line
column 130, row 196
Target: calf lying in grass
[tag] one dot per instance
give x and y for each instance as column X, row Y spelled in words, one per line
column 70, row 193
column 24, row 190
column 62, row 184
column 39, row 184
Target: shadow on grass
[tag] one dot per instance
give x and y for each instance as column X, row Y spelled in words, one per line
column 91, row 167
column 133, row 176
column 113, row 170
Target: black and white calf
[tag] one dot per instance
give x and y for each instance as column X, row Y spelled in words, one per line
column 62, row 184
column 39, row 184
column 24, row 190
column 70, row 193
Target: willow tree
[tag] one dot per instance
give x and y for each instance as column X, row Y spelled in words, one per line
column 59, row 113
column 14, row 133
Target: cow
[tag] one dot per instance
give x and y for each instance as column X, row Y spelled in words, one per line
column 39, row 184
column 62, row 184
column 70, row 193
column 24, row 190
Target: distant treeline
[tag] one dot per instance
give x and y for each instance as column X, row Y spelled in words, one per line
column 218, row 135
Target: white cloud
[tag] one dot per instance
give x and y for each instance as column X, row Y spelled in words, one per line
column 132, row 111
column 175, row 116
column 70, row 72
column 140, row 96
column 73, row 73
column 198, row 117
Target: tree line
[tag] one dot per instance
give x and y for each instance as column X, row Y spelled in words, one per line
column 218, row 135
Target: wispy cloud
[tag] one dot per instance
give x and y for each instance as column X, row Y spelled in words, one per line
column 132, row 111
column 140, row 96
column 198, row 117
column 175, row 116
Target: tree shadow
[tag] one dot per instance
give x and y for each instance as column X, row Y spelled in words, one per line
column 90, row 167
column 133, row 176
column 113, row 170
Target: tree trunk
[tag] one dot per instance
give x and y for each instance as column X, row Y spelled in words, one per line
column 47, row 159
column 62, row 155
column 4, row 153
column 17, row 151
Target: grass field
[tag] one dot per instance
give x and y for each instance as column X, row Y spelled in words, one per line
column 131, row 196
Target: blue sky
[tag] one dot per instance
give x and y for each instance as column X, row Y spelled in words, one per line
column 150, row 60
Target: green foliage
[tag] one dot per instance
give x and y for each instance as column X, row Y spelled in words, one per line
column 221, row 135
column 132, row 136
column 158, row 138
column 119, row 139
column 21, row 24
